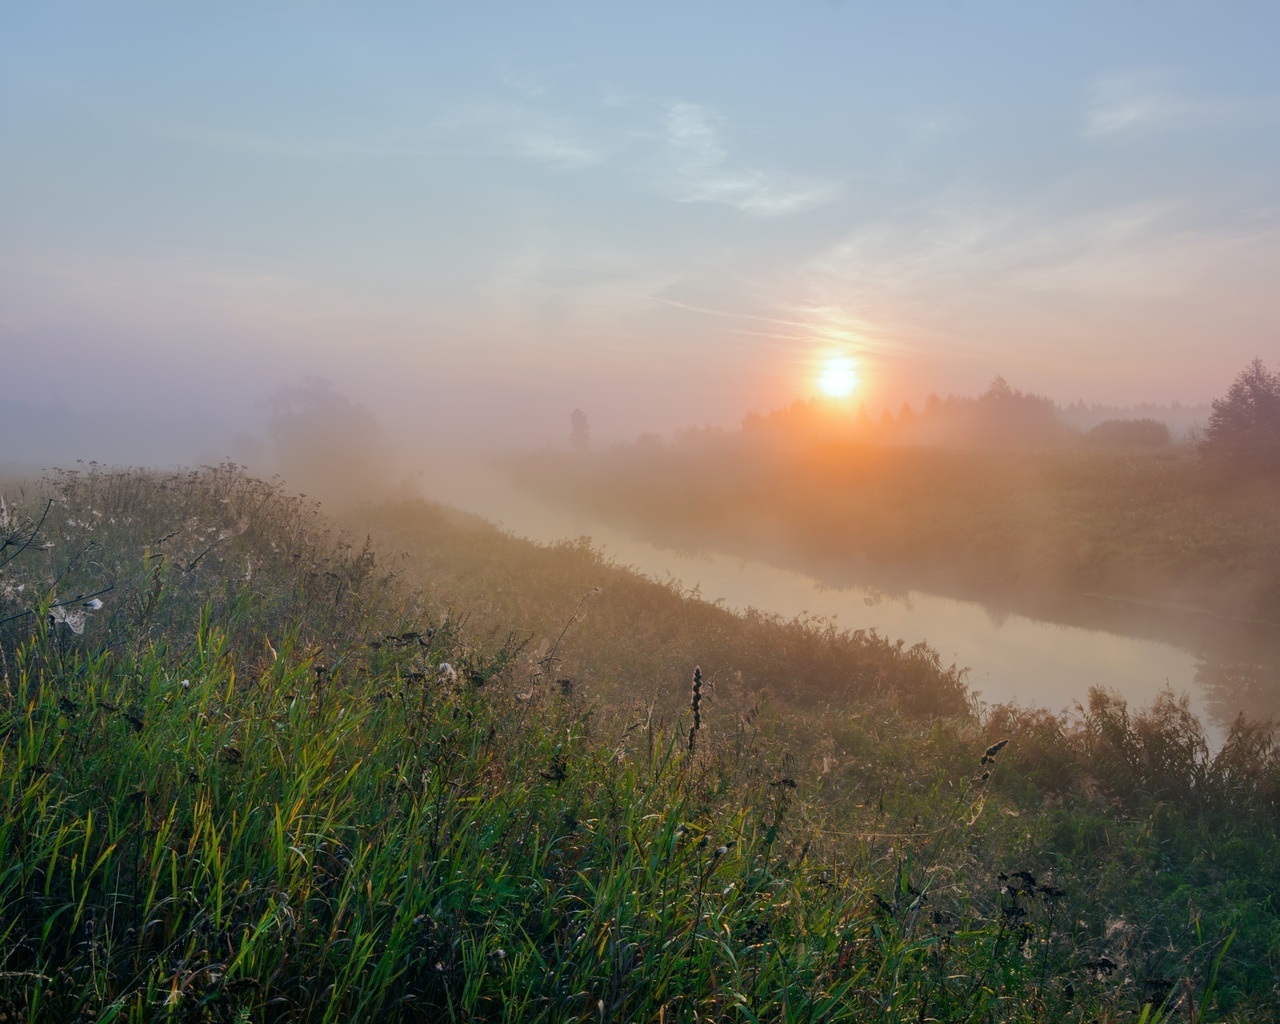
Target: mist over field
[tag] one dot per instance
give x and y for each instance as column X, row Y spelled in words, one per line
column 474, row 224
column 556, row 512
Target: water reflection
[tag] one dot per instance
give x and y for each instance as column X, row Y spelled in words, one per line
column 1047, row 650
column 1239, row 687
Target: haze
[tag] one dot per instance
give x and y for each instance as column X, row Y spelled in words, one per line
column 473, row 219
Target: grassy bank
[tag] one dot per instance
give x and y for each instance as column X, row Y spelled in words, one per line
column 1151, row 525
column 277, row 776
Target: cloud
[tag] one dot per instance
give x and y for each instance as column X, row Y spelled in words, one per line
column 531, row 86
column 683, row 156
column 1143, row 250
column 519, row 130
column 527, row 133
column 697, row 168
column 998, row 284
column 1143, row 99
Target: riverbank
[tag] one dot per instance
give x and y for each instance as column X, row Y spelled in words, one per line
column 253, row 769
column 1054, row 530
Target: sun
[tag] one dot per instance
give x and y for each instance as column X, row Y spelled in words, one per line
column 838, row 377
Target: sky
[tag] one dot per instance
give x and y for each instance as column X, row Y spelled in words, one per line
column 473, row 218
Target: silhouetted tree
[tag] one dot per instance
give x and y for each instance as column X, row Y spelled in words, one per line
column 1244, row 427
column 579, row 430
column 1003, row 415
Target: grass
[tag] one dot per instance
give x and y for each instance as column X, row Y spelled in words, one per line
column 271, row 780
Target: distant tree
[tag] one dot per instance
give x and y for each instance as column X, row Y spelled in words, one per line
column 1144, row 433
column 579, row 430
column 325, row 444
column 1005, row 416
column 1244, row 427
column 999, row 390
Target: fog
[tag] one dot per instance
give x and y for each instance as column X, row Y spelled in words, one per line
column 475, row 224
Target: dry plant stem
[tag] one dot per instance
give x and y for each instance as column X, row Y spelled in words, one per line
column 35, row 530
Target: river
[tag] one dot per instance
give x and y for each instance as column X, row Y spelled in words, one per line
column 1029, row 658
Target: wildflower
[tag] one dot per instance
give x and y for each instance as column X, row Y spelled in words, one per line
column 446, row 674
column 94, row 605
column 186, row 684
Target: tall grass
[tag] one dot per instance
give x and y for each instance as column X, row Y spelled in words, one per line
column 304, row 792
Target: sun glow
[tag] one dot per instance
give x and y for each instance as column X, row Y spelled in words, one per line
column 838, row 377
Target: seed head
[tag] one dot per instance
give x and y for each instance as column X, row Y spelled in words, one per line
column 695, row 702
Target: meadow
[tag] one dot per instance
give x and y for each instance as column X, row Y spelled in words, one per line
column 252, row 769
column 1021, row 526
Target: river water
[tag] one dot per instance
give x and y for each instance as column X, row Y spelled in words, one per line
column 1010, row 657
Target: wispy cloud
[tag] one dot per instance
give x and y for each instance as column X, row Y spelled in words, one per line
column 698, row 168
column 1146, row 99
column 528, row 85
column 994, row 284
column 522, row 130
column 1143, row 250
column 526, row 132
column 677, row 149
column 1121, row 101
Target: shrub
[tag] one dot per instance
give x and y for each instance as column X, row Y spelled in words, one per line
column 1137, row 433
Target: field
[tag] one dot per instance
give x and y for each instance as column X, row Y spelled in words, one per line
column 447, row 774
column 1163, row 526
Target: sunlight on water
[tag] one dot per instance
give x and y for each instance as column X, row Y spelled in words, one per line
column 1010, row 658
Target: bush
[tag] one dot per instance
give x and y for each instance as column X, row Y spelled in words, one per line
column 1147, row 433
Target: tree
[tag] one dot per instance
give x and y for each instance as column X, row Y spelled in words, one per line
column 579, row 430
column 325, row 444
column 1244, row 427
column 1005, row 416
